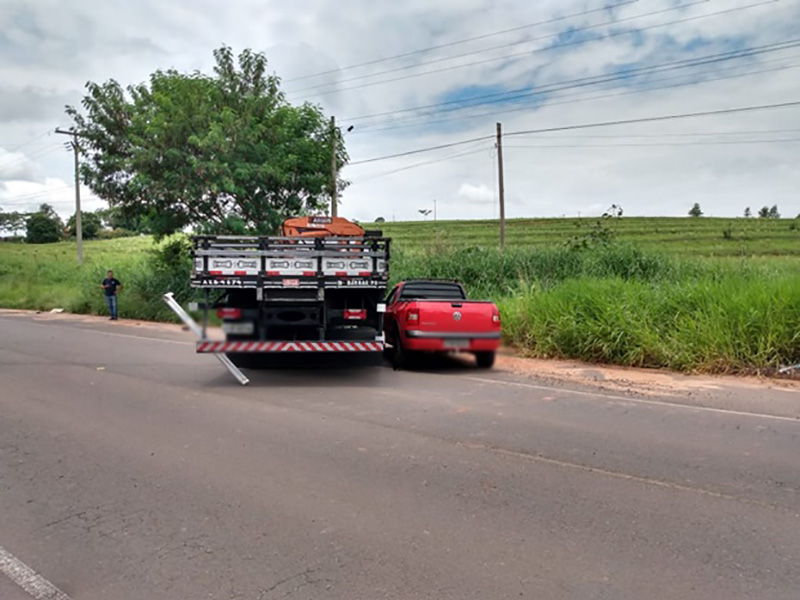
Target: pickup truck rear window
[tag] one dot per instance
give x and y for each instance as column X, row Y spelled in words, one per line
column 430, row 290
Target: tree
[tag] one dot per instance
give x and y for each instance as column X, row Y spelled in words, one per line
column 12, row 222
column 696, row 211
column 44, row 226
column 91, row 224
column 773, row 212
column 380, row 220
column 747, row 213
column 190, row 149
column 763, row 212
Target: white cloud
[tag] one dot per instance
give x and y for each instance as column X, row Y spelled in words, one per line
column 480, row 194
column 50, row 48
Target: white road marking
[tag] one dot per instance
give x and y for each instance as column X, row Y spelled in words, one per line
column 625, row 476
column 724, row 411
column 28, row 579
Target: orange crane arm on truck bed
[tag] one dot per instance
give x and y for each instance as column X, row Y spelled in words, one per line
column 320, row 227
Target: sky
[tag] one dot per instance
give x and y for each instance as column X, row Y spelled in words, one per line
column 417, row 74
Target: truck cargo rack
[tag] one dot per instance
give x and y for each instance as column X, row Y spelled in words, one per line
column 273, row 262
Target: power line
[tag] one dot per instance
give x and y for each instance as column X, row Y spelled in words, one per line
column 33, row 139
column 709, row 113
column 493, row 48
column 660, row 135
column 421, row 150
column 419, row 121
column 660, row 144
column 587, row 126
column 548, row 48
column 39, row 194
column 525, row 92
column 15, row 160
column 414, row 166
column 464, row 41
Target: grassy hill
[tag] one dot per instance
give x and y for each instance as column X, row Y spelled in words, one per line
column 685, row 236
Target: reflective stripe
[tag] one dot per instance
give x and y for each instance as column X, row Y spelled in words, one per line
column 207, row 346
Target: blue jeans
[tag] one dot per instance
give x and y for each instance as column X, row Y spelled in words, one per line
column 112, row 306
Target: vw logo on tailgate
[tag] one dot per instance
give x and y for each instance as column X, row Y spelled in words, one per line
column 456, row 316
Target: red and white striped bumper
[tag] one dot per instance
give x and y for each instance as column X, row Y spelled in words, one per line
column 289, row 346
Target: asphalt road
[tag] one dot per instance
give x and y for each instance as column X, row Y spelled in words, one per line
column 130, row 468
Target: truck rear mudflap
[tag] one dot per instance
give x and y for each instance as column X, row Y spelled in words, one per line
column 266, row 347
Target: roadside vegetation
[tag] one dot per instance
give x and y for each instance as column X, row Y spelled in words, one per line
column 611, row 292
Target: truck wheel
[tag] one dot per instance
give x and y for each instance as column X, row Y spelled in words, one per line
column 485, row 360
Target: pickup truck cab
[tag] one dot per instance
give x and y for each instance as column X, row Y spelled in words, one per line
column 436, row 316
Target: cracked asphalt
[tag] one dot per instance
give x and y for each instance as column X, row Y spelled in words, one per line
column 130, row 468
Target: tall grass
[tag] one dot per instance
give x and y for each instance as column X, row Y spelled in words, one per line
column 612, row 303
column 619, row 304
column 48, row 276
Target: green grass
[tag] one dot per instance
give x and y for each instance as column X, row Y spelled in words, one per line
column 667, row 293
column 685, row 236
column 47, row 276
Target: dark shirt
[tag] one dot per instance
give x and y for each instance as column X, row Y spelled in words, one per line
column 112, row 284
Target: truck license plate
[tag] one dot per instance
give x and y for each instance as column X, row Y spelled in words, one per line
column 245, row 328
column 456, row 343
column 291, row 283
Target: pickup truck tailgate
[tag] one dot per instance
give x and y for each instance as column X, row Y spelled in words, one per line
column 462, row 316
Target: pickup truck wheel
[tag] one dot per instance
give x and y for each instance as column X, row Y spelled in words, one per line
column 485, row 360
column 401, row 358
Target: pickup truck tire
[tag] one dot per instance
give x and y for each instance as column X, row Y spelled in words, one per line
column 485, row 360
column 401, row 358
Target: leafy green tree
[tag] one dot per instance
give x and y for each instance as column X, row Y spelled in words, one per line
column 696, row 211
column 91, row 224
column 185, row 150
column 44, row 226
column 11, row 222
column 763, row 212
column 773, row 212
column 747, row 213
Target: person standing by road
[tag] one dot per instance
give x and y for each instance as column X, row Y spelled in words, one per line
column 111, row 287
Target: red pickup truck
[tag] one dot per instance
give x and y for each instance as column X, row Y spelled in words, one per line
column 435, row 316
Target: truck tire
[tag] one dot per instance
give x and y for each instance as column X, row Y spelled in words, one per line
column 485, row 360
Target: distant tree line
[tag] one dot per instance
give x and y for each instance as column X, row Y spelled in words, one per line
column 765, row 212
column 45, row 226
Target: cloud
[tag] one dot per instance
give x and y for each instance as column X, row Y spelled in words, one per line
column 32, row 104
column 49, row 49
column 478, row 194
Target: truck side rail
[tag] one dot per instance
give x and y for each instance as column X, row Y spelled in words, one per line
column 275, row 262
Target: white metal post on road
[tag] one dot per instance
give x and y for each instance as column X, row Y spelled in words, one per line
column 192, row 324
column 78, row 227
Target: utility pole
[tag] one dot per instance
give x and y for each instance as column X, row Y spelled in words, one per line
column 434, row 209
column 501, row 186
column 78, row 228
column 334, row 172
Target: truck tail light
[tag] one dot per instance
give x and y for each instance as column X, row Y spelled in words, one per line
column 355, row 314
column 229, row 313
column 496, row 318
column 412, row 316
